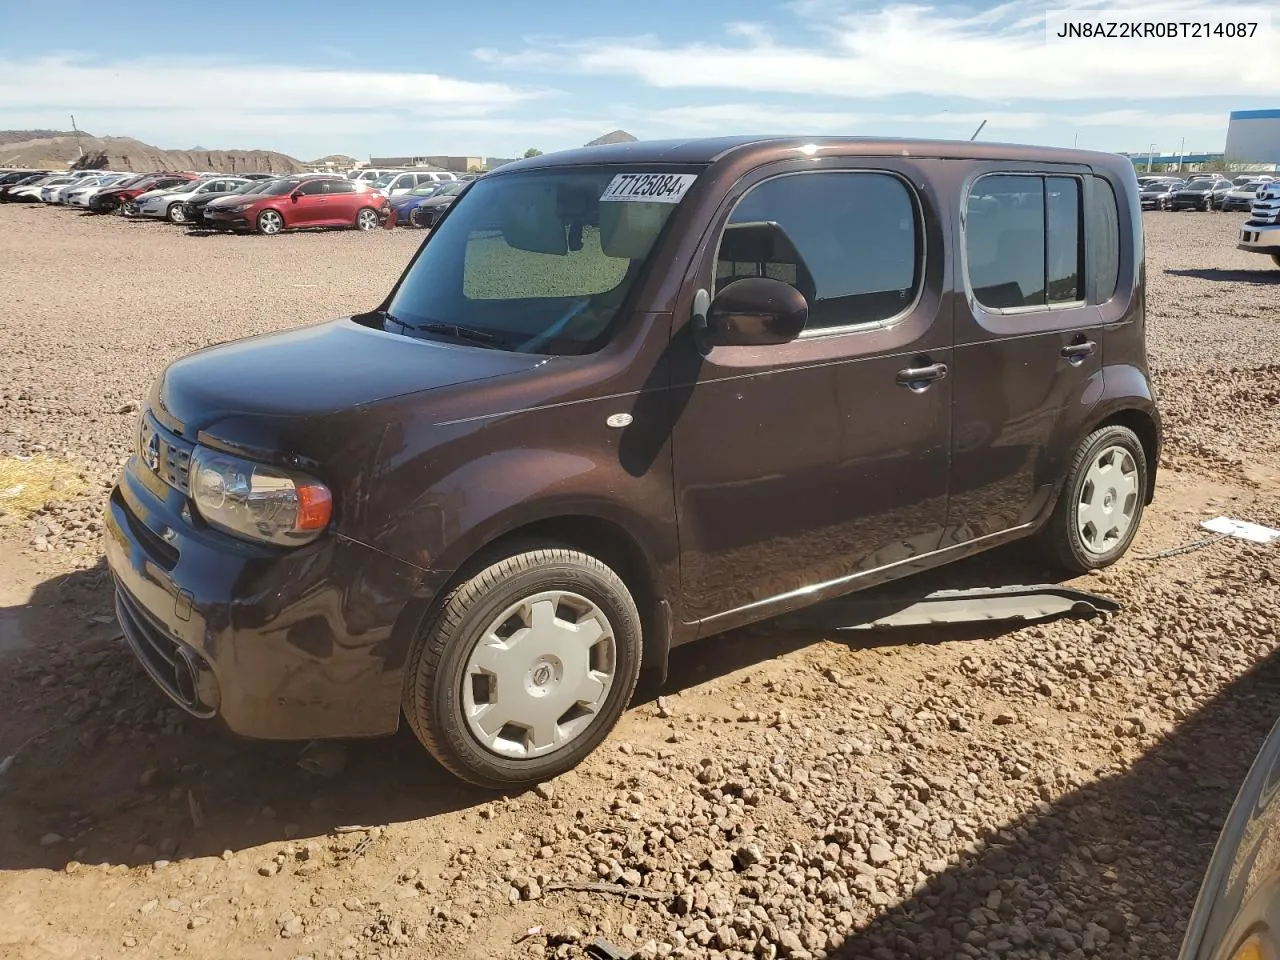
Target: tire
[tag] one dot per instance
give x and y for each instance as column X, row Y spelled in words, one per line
column 366, row 219
column 270, row 222
column 417, row 218
column 175, row 213
column 1064, row 537
column 446, row 691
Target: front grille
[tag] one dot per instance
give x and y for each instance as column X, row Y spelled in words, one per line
column 155, row 649
column 165, row 454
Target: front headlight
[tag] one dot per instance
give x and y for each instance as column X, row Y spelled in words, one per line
column 256, row 501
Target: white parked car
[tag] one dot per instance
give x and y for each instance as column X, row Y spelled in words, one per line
column 33, row 191
column 50, row 191
column 168, row 203
column 63, row 193
column 1261, row 232
column 80, row 194
column 395, row 184
column 369, row 174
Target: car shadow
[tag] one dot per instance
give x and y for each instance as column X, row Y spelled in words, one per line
column 1110, row 867
column 1264, row 276
column 123, row 776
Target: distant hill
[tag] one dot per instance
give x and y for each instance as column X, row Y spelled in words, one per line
column 336, row 159
column 61, row 148
column 615, row 136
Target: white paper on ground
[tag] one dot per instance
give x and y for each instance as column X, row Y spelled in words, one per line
column 1242, row 529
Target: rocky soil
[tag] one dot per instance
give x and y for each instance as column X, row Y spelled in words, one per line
column 1047, row 791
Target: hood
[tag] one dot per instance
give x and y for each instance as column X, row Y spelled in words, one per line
column 215, row 201
column 1197, row 188
column 439, row 201
column 316, row 371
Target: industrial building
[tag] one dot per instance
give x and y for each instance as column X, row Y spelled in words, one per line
column 1253, row 136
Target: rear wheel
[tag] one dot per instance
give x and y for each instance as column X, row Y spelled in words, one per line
column 176, row 214
column 366, row 219
column 270, row 222
column 1100, row 507
column 525, row 669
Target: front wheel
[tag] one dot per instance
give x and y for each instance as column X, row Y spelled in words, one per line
column 417, row 218
column 366, row 219
column 270, row 222
column 525, row 669
column 1100, row 506
column 176, row 214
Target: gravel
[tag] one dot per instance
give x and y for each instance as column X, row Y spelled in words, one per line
column 1051, row 790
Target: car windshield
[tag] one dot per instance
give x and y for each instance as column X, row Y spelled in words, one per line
column 451, row 189
column 386, row 178
column 253, row 186
column 539, row 262
column 426, row 190
column 278, row 188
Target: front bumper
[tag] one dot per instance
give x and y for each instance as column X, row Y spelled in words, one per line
column 280, row 644
column 1255, row 238
column 225, row 220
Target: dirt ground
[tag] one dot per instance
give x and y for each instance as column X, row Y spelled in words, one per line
column 1052, row 790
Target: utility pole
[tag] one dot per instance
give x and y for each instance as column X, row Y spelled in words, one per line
column 1075, row 141
column 76, row 131
column 1181, row 152
column 1150, row 155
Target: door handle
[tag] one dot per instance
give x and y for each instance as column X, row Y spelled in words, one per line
column 918, row 379
column 1076, row 353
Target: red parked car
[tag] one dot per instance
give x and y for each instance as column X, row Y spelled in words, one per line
column 303, row 202
column 109, row 201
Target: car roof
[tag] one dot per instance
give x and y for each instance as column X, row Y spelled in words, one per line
column 708, row 150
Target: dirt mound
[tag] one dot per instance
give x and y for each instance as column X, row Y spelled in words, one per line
column 125, row 153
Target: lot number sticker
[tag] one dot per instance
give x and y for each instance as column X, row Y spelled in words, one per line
column 649, row 187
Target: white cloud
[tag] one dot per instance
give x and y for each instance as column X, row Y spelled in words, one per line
column 996, row 54
column 71, row 81
column 765, row 118
column 224, row 103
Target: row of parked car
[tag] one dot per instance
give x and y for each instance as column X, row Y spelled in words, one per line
column 1209, row 191
column 258, row 202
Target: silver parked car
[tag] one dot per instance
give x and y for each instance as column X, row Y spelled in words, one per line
column 169, row 203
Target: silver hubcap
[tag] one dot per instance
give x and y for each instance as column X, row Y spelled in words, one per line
column 176, row 215
column 270, row 222
column 1108, row 500
column 367, row 220
column 539, row 675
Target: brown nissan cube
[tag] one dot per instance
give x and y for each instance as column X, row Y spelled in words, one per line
column 625, row 397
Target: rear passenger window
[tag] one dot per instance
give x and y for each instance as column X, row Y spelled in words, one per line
column 1024, row 242
column 850, row 242
column 1103, row 230
column 341, row 186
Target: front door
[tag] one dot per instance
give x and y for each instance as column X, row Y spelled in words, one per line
column 1029, row 334
column 312, row 206
column 817, row 460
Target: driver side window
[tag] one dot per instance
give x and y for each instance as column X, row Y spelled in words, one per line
column 849, row 241
column 313, row 188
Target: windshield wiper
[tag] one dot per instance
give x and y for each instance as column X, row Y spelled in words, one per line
column 460, row 332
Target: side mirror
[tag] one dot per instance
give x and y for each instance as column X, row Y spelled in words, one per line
column 295, row 195
column 756, row 311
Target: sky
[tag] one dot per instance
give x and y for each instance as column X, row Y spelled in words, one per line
column 495, row 77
